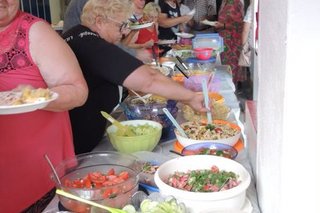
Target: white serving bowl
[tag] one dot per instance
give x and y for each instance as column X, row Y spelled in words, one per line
column 232, row 199
column 231, row 141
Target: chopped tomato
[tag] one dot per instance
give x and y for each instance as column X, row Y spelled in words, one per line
column 87, row 183
column 97, row 180
column 124, row 175
column 107, row 193
column 112, row 177
column 111, row 172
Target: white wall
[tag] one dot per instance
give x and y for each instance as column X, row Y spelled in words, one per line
column 288, row 154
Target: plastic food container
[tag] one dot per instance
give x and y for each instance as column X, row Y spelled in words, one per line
column 203, row 53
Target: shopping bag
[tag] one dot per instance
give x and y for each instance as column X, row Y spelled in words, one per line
column 245, row 56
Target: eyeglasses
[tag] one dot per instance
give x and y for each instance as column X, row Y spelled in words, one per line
column 122, row 25
column 153, row 17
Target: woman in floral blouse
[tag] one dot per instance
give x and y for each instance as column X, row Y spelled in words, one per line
column 229, row 26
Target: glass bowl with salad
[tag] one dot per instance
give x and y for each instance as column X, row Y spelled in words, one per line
column 108, row 178
column 134, row 109
column 204, row 183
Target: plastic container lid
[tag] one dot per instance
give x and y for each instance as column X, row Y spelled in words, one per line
column 195, row 60
column 212, row 40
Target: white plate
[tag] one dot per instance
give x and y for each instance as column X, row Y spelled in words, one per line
column 185, row 35
column 192, row 12
column 22, row 108
column 141, row 26
column 161, row 42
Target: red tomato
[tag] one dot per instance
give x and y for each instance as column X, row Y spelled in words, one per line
column 110, row 172
column 124, row 175
column 117, row 180
column 112, row 177
column 107, row 193
column 218, row 130
column 67, row 183
column 87, row 183
column 107, row 183
column 97, row 177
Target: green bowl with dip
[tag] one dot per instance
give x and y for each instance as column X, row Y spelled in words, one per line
column 147, row 136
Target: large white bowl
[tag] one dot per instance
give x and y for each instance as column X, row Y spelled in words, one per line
column 197, row 202
column 231, row 141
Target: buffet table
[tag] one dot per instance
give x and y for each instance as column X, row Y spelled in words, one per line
column 222, row 84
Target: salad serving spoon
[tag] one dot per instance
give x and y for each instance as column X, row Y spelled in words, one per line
column 206, row 100
column 175, row 123
column 124, row 129
column 82, row 200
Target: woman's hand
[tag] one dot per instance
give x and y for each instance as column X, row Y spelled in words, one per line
column 219, row 25
column 130, row 38
column 187, row 18
column 197, row 102
column 148, row 44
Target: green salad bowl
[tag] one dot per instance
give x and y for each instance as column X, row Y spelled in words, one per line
column 148, row 134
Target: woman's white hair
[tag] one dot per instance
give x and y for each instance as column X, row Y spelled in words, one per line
column 151, row 7
column 104, row 8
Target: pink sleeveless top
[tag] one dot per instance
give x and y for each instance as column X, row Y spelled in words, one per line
column 25, row 138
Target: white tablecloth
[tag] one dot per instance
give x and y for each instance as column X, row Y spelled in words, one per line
column 224, row 85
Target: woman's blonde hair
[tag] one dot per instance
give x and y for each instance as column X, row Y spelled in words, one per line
column 150, row 8
column 105, row 8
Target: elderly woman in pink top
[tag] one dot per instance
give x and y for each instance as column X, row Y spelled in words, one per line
column 31, row 53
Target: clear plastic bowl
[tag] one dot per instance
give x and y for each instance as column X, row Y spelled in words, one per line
column 81, row 165
column 152, row 111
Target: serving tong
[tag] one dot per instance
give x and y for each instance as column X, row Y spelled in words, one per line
column 185, row 67
column 206, row 100
column 141, row 98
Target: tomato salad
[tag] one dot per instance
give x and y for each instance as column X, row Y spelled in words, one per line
column 204, row 180
column 207, row 151
column 98, row 180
